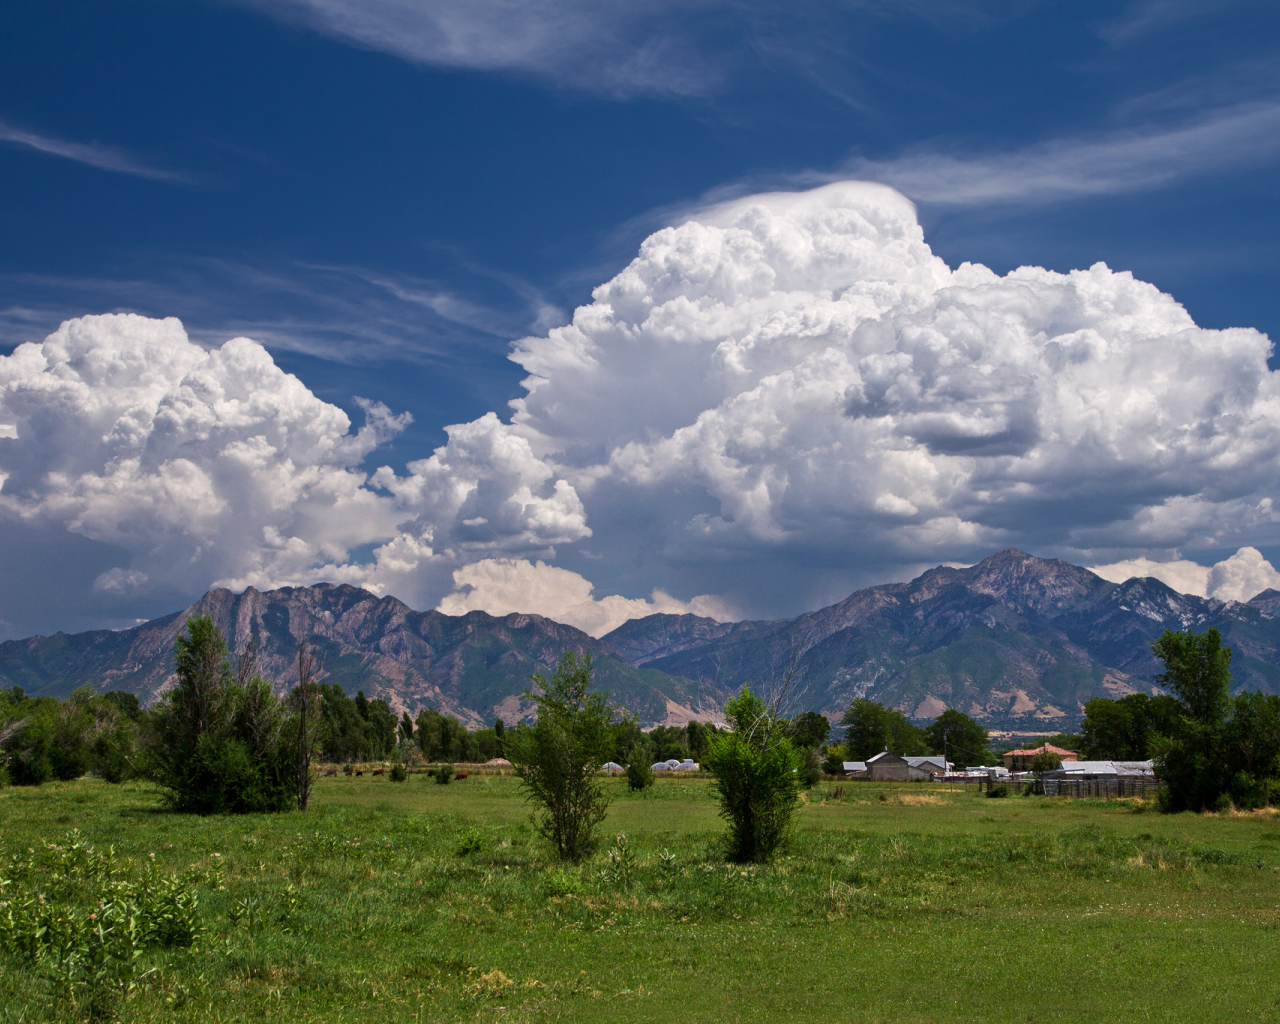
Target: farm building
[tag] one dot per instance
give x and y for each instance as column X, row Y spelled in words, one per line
column 925, row 768
column 1104, row 770
column 1020, row 760
column 887, row 767
column 857, row 769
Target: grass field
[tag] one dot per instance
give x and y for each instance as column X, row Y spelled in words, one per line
column 417, row 902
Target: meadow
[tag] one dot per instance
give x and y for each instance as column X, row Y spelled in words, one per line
column 420, row 902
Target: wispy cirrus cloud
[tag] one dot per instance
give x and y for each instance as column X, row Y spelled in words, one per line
column 341, row 314
column 666, row 48
column 1124, row 161
column 106, row 158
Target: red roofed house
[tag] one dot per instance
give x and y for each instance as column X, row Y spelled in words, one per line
column 1020, row 760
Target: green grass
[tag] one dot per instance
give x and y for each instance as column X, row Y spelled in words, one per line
column 894, row 904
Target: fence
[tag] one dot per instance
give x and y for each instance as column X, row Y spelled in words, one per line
column 1106, row 789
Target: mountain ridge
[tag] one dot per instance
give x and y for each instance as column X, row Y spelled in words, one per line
column 1015, row 640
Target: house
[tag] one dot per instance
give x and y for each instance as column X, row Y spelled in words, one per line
column 887, row 767
column 922, row 769
column 1020, row 760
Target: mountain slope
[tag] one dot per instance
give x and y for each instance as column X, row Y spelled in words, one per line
column 1014, row 641
column 472, row 666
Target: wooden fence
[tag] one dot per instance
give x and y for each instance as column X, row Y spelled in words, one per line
column 1106, row 789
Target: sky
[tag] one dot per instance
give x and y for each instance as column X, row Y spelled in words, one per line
column 596, row 310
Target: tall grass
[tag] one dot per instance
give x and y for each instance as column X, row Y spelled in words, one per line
column 412, row 902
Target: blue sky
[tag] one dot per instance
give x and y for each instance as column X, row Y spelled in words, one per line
column 387, row 194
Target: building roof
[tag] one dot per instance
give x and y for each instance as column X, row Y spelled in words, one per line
column 1115, row 768
column 933, row 761
column 884, row 754
column 855, row 766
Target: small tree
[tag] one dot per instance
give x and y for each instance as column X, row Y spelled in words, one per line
column 557, row 759
column 639, row 770
column 1046, row 761
column 758, row 777
column 305, row 727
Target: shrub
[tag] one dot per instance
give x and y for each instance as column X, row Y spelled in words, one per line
column 399, row 773
column 758, row 779
column 444, row 774
column 83, row 919
column 998, row 791
column 639, row 770
column 557, row 759
column 471, row 841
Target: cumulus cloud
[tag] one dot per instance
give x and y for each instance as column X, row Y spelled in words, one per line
column 783, row 397
column 1238, row 578
column 1184, row 576
column 215, row 466
column 501, row 586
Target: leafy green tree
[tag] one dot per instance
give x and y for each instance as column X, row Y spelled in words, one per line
column 500, row 731
column 209, row 745
column 757, row 770
column 810, row 730
column 640, row 767
column 1197, row 670
column 870, row 728
column 1223, row 749
column 700, row 735
column 833, row 758
column 558, row 757
column 380, row 729
column 958, row 736
column 1046, row 761
column 1123, row 730
column 343, row 735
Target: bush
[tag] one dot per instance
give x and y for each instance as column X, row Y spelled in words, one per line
column 998, row 791
column 758, row 778
column 399, row 773
column 222, row 744
column 471, row 841
column 557, row 759
column 639, row 770
column 83, row 919
column 444, row 774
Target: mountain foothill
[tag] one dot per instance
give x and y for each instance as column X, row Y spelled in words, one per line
column 1015, row 641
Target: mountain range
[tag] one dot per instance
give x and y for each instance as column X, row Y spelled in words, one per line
column 1016, row 641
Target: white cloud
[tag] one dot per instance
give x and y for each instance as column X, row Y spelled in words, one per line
column 797, row 375
column 1242, row 576
column 501, row 586
column 106, row 158
column 621, row 49
column 202, row 466
column 1124, row 161
column 1238, row 578
column 781, row 398
column 1182, row 575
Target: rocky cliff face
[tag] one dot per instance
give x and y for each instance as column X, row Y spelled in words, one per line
column 472, row 666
